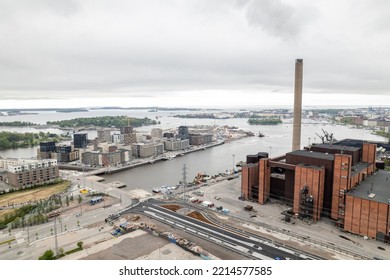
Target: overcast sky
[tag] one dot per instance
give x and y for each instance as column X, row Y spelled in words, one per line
column 192, row 53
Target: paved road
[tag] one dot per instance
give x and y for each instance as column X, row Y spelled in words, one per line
column 250, row 245
column 28, row 240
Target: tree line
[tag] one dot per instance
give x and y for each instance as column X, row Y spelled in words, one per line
column 13, row 140
column 266, row 121
column 106, row 121
column 17, row 124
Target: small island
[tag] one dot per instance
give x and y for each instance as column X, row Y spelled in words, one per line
column 265, row 121
column 106, row 121
column 18, row 124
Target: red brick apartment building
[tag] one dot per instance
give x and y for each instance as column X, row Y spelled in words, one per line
column 336, row 181
column 32, row 172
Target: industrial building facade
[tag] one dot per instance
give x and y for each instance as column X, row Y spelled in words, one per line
column 336, row 181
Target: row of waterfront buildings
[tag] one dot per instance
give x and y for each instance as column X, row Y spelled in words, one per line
column 112, row 149
column 108, row 149
column 342, row 181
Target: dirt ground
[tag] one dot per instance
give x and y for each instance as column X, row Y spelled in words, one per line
column 33, row 194
column 22, row 197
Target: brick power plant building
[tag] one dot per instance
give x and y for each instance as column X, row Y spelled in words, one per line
column 336, row 181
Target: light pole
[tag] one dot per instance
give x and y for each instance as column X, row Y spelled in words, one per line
column 159, row 255
column 59, row 218
column 233, row 162
column 55, row 236
column 81, row 209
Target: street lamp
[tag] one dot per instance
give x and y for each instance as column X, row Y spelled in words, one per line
column 233, row 162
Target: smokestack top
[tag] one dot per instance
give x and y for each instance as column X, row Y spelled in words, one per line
column 299, row 60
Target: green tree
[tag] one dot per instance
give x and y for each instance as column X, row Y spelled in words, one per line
column 80, row 244
column 4, row 144
column 48, row 255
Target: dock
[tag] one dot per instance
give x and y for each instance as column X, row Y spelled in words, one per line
column 95, row 178
column 117, row 184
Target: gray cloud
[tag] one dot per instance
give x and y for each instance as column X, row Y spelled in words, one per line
column 279, row 18
column 97, row 48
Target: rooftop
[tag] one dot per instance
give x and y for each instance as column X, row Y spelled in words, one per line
column 359, row 167
column 338, row 147
column 359, row 143
column 309, row 166
column 312, row 154
column 375, row 188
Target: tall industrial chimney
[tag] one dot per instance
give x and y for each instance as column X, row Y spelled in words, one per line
column 296, row 139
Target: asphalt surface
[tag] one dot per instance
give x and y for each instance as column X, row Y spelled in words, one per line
column 247, row 244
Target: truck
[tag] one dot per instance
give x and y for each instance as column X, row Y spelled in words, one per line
column 53, row 214
column 194, row 200
column 207, row 204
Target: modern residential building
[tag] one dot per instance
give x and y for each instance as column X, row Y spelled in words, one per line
column 46, row 149
column 104, row 135
column 200, row 139
column 62, row 152
column 176, row 145
column 168, row 135
column 183, row 133
column 80, row 140
column 117, row 138
column 32, row 172
column 143, row 150
column 126, row 130
column 157, row 133
column 66, row 153
column 112, row 158
column 4, row 162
